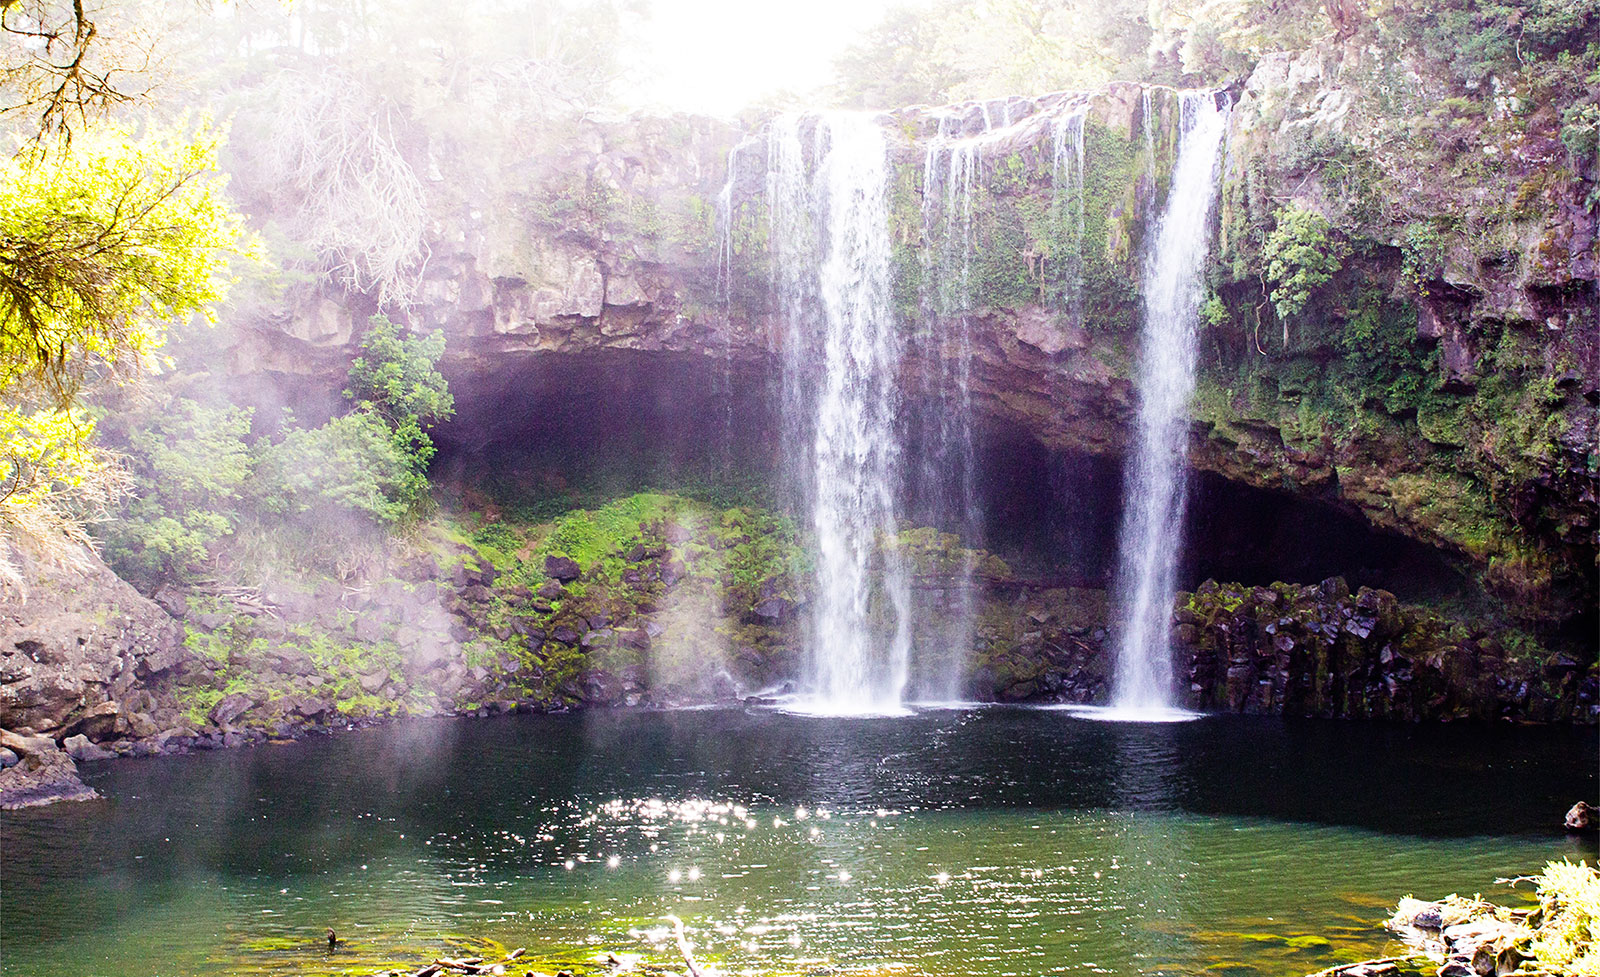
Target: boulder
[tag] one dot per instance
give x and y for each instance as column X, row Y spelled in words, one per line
column 602, row 688
column 313, row 707
column 43, row 774
column 75, row 637
column 773, row 610
column 562, row 568
column 290, row 661
column 373, row 681
column 226, row 712
column 551, row 590
column 80, row 749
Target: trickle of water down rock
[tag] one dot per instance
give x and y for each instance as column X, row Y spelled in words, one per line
column 1151, row 538
column 833, row 280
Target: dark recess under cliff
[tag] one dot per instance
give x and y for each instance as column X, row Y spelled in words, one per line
column 617, row 422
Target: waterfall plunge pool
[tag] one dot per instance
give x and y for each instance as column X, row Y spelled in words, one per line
column 986, row 841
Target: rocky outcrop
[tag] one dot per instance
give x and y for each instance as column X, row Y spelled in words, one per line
column 1322, row 651
column 1285, row 650
column 1451, row 401
column 659, row 601
column 82, row 652
column 38, row 772
column 84, row 658
column 667, row 602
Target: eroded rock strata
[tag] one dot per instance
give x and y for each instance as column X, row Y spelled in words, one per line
column 1442, row 383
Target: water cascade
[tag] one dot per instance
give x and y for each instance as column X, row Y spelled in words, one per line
column 1152, row 523
column 832, row 278
column 1067, row 172
column 948, row 473
column 725, row 274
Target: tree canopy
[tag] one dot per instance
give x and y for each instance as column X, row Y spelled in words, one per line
column 101, row 243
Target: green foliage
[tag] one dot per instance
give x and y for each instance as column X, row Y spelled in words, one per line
column 1580, row 131
column 960, row 49
column 1567, row 940
column 191, row 464
column 103, row 241
column 590, row 536
column 895, row 63
column 1421, row 254
column 1477, row 39
column 1382, row 354
column 1472, row 40
column 395, row 382
column 395, row 375
column 351, row 464
column 1222, row 39
column 497, row 536
column 1302, row 254
column 197, row 474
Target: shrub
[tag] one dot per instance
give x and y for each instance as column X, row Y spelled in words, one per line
column 1303, row 253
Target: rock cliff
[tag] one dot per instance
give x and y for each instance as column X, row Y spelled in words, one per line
column 1441, row 382
column 83, row 658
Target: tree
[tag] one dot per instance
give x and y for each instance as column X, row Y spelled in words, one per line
column 895, row 63
column 62, row 69
column 103, row 242
column 349, row 467
column 1302, row 253
column 964, row 49
column 395, row 380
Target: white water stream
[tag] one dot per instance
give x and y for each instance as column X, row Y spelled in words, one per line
column 833, row 280
column 1153, row 512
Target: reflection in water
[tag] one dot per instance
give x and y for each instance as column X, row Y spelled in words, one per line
column 989, row 841
column 1148, row 866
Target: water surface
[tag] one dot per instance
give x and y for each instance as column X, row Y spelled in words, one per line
column 992, row 841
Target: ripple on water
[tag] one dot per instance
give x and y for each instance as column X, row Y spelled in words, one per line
column 952, row 843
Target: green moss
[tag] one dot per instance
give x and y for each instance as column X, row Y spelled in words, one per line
column 591, row 536
column 1384, row 364
column 197, row 701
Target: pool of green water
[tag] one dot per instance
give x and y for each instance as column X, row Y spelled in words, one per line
column 984, row 841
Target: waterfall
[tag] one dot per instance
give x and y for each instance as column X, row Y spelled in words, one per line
column 832, row 278
column 1147, row 114
column 948, row 472
column 1155, row 484
column 725, row 273
column 1066, row 176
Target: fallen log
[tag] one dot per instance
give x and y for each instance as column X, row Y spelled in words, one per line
column 683, row 945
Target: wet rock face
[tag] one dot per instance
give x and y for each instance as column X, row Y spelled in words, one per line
column 83, row 652
column 1320, row 650
column 523, row 281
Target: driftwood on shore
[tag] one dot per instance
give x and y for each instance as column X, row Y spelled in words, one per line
column 684, row 949
column 462, row 965
column 1381, row 967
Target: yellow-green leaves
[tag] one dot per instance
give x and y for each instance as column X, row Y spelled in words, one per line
column 1303, row 252
column 1567, row 940
column 102, row 244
